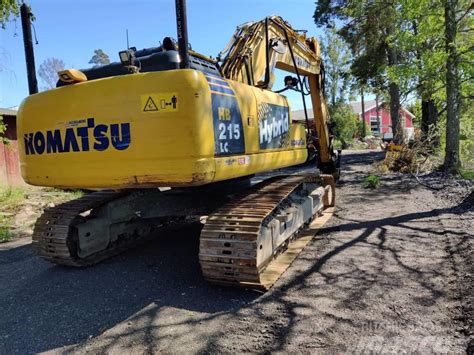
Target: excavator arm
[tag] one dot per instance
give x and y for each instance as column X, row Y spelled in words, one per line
column 258, row 48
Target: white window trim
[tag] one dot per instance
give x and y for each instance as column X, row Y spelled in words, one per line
column 374, row 122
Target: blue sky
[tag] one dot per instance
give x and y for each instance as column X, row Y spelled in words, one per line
column 71, row 30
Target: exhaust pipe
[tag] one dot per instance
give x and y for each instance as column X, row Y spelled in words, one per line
column 182, row 27
column 28, row 44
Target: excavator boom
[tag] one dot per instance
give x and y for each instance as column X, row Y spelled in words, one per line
column 258, row 48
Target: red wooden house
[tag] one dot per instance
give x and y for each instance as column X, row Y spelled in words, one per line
column 10, row 174
column 381, row 125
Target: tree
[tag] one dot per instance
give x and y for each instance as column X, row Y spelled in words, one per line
column 368, row 27
column 418, row 36
column 451, row 158
column 336, row 58
column 421, row 47
column 345, row 123
column 99, row 58
column 8, row 8
column 48, row 72
column 438, row 56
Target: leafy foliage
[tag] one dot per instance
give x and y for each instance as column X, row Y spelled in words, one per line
column 336, row 56
column 360, row 128
column 99, row 58
column 3, row 129
column 345, row 123
column 466, row 144
column 371, row 182
column 405, row 47
column 8, row 9
column 48, row 72
column 367, row 27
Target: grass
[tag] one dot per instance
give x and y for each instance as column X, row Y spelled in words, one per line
column 11, row 196
column 57, row 195
column 14, row 199
column 10, row 200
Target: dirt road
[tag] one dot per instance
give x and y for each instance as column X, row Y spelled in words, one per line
column 392, row 271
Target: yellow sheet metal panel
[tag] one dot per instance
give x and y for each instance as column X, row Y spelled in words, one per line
column 171, row 128
column 236, row 166
column 248, row 164
column 100, row 133
column 271, row 141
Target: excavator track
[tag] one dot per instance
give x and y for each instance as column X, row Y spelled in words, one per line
column 54, row 235
column 232, row 236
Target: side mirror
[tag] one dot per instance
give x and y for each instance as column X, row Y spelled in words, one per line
column 291, row 81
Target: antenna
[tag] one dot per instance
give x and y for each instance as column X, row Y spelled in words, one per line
column 128, row 47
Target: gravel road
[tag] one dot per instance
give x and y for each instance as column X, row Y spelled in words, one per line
column 391, row 271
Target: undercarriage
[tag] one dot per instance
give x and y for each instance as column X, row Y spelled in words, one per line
column 246, row 227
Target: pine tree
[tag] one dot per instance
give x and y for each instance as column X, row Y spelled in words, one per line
column 368, row 27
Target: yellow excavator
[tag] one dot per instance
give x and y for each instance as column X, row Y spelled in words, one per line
column 168, row 133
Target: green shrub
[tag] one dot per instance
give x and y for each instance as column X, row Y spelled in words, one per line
column 3, row 129
column 5, row 229
column 360, row 129
column 345, row 123
column 371, row 182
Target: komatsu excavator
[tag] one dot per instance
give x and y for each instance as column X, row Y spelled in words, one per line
column 168, row 133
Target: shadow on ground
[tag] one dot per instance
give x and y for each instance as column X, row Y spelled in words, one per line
column 46, row 306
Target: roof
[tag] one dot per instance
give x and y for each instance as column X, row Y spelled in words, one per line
column 298, row 115
column 7, row 112
column 357, row 106
column 369, row 105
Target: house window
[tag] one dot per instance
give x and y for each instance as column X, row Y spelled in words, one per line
column 374, row 125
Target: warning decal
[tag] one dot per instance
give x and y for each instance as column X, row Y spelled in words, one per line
column 160, row 102
column 150, row 105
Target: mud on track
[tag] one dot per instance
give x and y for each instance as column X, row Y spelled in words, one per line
column 391, row 271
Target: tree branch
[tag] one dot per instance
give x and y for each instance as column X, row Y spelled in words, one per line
column 468, row 50
column 465, row 13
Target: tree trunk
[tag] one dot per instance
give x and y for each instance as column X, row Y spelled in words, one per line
column 394, row 91
column 429, row 111
column 451, row 159
column 362, row 106
column 429, row 122
column 377, row 110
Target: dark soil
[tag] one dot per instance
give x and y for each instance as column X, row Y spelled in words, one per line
column 390, row 272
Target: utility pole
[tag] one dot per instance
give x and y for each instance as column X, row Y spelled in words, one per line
column 28, row 44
